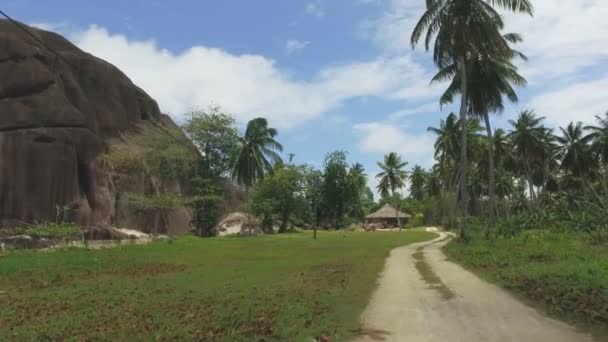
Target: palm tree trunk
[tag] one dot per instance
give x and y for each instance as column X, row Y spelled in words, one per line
column 530, row 183
column 315, row 222
column 464, row 234
column 248, row 210
column 397, row 211
column 491, row 178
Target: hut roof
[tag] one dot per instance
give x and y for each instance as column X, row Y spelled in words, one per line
column 387, row 212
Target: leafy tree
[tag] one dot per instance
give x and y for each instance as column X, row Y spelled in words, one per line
column 313, row 192
column 278, row 194
column 214, row 134
column 336, row 188
column 392, row 177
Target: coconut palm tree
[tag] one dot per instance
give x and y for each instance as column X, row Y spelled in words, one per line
column 392, row 177
column 432, row 186
column 256, row 155
column 417, row 182
column 529, row 143
column 491, row 78
column 599, row 145
column 462, row 30
column 574, row 151
column 447, row 147
column 599, row 137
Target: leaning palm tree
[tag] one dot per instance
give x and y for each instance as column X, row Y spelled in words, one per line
column 392, row 177
column 462, row 30
column 256, row 155
column 576, row 157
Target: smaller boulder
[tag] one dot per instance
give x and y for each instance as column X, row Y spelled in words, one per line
column 24, row 242
column 238, row 223
column 97, row 233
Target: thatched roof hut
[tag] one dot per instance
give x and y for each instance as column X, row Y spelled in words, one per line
column 387, row 215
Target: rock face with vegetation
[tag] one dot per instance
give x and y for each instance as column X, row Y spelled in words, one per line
column 66, row 117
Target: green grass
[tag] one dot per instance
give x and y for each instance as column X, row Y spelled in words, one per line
column 562, row 272
column 283, row 287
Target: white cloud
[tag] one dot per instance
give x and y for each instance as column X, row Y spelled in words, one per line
column 559, row 40
column 431, row 107
column 562, row 39
column 576, row 102
column 392, row 30
column 294, row 45
column 315, row 8
column 250, row 85
column 383, row 137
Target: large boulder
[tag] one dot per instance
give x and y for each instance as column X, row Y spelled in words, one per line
column 57, row 116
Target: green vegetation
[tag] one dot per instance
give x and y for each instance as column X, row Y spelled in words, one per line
column 562, row 271
column 280, row 287
column 150, row 151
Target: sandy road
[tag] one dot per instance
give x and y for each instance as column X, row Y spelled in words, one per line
column 423, row 297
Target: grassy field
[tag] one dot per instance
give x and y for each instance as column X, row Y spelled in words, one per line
column 563, row 272
column 283, row 287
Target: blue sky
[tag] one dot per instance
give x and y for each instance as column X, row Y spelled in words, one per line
column 330, row 75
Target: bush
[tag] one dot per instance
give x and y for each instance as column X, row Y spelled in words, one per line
column 417, row 220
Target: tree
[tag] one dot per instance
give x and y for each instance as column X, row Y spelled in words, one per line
column 432, row 186
column 213, row 133
column 529, row 143
column 314, row 195
column 491, row 77
column 599, row 145
column 576, row 158
column 392, row 177
column 447, row 148
column 256, row 152
column 417, row 182
column 357, row 187
column 278, row 194
column 336, row 186
column 464, row 29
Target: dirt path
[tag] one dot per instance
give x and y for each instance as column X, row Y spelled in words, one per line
column 423, row 297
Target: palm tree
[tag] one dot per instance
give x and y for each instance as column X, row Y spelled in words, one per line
column 528, row 140
column 599, row 137
column 576, row 158
column 358, row 181
column 392, row 177
column 464, row 29
column 447, row 147
column 432, row 186
column 491, row 77
column 256, row 155
column 417, row 182
column 599, row 144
